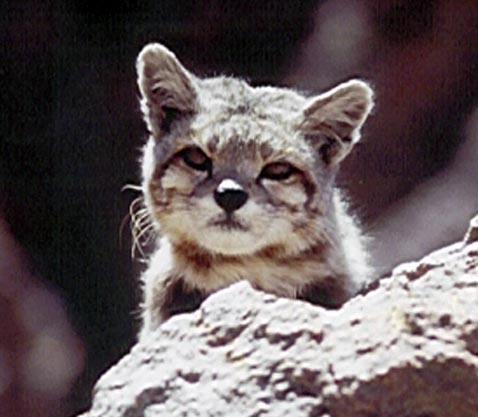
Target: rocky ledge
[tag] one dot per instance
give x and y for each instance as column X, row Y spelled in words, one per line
column 406, row 348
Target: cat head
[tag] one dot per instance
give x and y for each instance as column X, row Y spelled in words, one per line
column 235, row 169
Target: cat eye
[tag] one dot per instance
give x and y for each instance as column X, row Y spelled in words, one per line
column 196, row 159
column 278, row 171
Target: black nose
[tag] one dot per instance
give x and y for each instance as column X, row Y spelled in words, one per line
column 230, row 199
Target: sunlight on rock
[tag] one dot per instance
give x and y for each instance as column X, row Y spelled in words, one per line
column 49, row 365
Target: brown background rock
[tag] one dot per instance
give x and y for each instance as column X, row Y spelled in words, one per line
column 407, row 348
column 40, row 354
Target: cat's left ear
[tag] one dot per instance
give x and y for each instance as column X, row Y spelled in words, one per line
column 166, row 87
column 332, row 121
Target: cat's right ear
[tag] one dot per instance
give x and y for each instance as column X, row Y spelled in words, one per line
column 166, row 87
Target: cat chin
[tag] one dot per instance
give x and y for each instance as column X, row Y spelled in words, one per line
column 231, row 243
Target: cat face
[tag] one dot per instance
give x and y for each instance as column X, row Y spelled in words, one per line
column 235, row 195
column 236, row 170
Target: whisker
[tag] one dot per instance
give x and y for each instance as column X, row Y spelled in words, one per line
column 132, row 187
column 141, row 239
column 130, row 214
column 123, row 224
column 146, row 231
column 137, row 201
column 141, row 215
column 141, row 224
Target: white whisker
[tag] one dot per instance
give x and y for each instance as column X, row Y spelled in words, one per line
column 132, row 187
column 141, row 224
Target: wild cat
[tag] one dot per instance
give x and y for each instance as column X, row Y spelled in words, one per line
column 238, row 183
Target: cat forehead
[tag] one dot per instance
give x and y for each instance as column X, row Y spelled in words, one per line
column 242, row 137
column 235, row 116
column 237, row 96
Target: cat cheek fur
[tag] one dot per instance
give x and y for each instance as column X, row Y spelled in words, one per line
column 292, row 196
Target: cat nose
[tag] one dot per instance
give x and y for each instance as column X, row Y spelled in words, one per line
column 230, row 196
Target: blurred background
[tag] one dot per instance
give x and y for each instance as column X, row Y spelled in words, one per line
column 71, row 133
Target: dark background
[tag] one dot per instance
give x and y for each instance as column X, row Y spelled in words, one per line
column 71, row 134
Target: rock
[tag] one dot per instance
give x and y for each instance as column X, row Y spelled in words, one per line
column 407, row 348
column 472, row 234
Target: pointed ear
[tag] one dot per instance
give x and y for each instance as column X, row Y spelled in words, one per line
column 332, row 121
column 166, row 87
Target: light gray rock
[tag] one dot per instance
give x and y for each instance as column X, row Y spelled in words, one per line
column 407, row 348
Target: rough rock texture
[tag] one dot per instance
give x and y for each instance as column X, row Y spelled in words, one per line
column 407, row 348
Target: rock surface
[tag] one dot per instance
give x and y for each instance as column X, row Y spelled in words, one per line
column 407, row 348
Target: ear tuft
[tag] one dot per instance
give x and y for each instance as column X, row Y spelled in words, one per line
column 166, row 87
column 333, row 120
